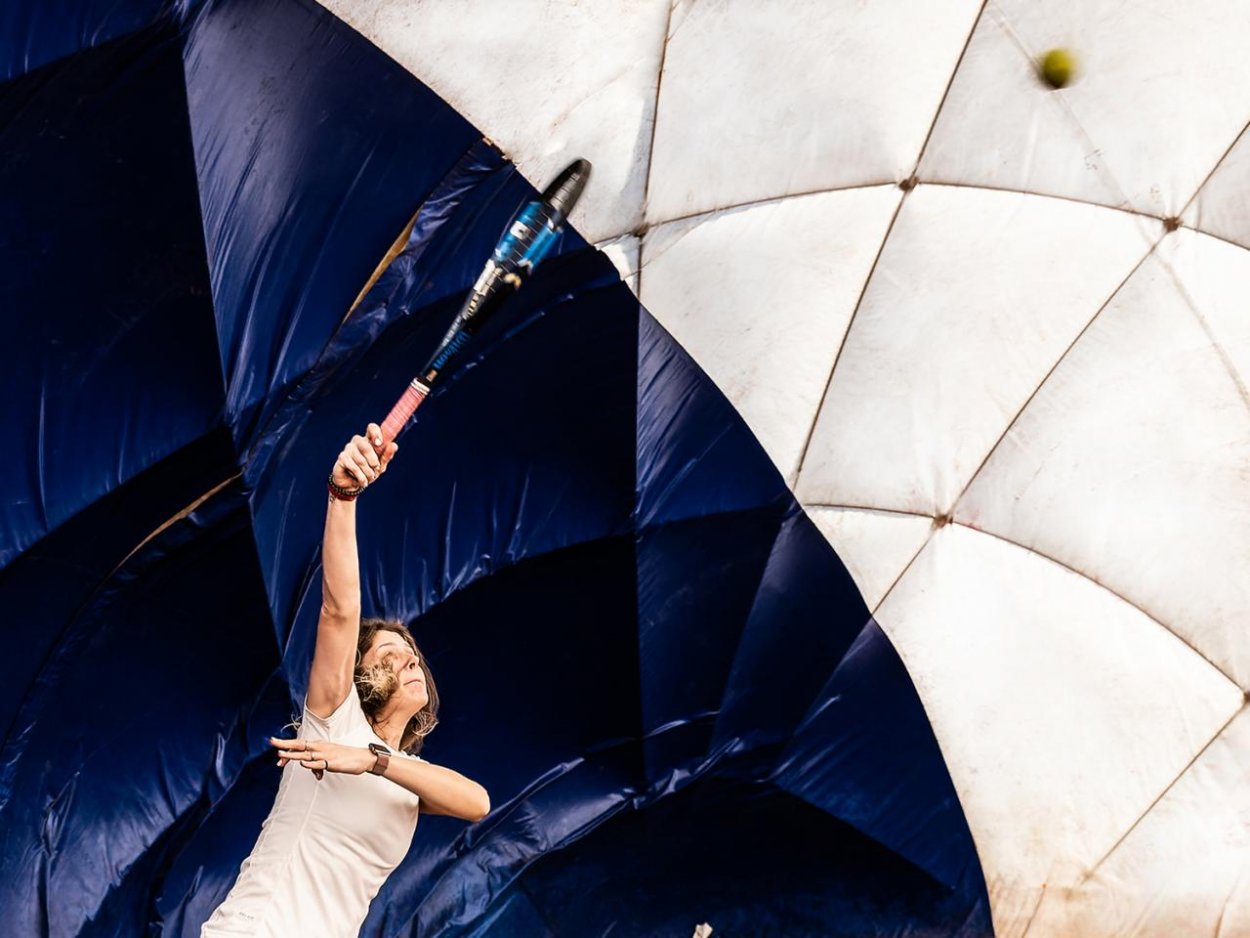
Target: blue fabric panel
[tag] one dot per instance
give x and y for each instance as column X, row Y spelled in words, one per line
column 425, row 281
column 203, row 857
column 313, row 148
column 490, row 452
column 36, row 32
column 516, row 915
column 806, row 613
column 146, row 681
column 748, row 860
column 560, row 630
column 695, row 456
column 454, row 890
column 562, row 638
column 103, row 274
column 645, row 649
column 696, row 584
column 867, row 754
column 47, row 585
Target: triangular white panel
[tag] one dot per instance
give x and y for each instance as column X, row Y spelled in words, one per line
column 761, row 100
column 769, row 342
column 1161, row 93
column 548, row 82
column 875, row 546
column 1131, row 465
column 976, row 296
column 1182, row 870
column 623, row 253
column 1062, row 711
column 1215, row 275
column 1222, row 207
column 1003, row 128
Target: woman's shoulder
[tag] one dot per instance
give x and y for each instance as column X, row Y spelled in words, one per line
column 346, row 718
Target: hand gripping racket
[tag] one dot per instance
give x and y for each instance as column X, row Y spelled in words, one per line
column 530, row 236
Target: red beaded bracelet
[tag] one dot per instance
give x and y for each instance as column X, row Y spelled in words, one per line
column 342, row 494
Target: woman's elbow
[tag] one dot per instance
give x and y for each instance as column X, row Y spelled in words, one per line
column 483, row 807
column 341, row 610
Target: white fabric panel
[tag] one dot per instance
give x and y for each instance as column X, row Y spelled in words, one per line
column 768, row 341
column 623, row 253
column 1162, row 92
column 1180, row 872
column 975, row 297
column 1165, row 89
column 761, row 100
column 1216, row 277
column 1063, row 712
column 1223, row 205
column 548, row 82
column 1001, row 127
column 875, row 546
column 1131, row 465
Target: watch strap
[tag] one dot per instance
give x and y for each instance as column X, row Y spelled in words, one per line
column 384, row 758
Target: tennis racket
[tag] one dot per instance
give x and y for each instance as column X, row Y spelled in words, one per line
column 530, row 236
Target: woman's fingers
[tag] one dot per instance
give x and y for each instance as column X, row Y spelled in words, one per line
column 366, row 451
column 388, row 454
column 347, row 460
column 317, row 766
column 365, row 458
column 293, row 748
column 363, row 470
column 356, row 463
column 302, row 751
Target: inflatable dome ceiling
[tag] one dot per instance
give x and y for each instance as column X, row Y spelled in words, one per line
column 847, row 531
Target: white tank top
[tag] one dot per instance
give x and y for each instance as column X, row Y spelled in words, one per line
column 326, row 847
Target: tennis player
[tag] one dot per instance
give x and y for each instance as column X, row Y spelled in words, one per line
column 352, row 780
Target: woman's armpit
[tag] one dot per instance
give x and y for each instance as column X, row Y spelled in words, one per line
column 346, row 716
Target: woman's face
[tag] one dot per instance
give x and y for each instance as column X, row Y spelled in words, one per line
column 391, row 650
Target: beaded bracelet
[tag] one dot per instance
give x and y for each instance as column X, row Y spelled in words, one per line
column 342, row 494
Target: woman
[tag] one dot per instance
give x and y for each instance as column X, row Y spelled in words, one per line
column 352, row 782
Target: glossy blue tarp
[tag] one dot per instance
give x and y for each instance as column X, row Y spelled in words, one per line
column 646, row 652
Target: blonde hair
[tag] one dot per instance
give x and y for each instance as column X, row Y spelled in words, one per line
column 377, row 683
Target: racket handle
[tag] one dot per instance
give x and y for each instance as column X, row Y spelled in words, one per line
column 404, row 408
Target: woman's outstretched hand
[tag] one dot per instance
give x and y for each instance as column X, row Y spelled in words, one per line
column 363, row 459
column 320, row 756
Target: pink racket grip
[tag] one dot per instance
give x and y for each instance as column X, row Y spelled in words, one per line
column 404, row 408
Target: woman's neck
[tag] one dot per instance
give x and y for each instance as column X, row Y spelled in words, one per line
column 390, row 727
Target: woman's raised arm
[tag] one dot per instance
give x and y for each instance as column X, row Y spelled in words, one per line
column 362, row 460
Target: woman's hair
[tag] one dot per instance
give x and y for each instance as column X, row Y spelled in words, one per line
column 377, row 683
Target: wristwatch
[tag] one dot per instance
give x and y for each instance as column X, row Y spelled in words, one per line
column 384, row 758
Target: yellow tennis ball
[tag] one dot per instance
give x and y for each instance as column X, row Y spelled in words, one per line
column 1057, row 67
